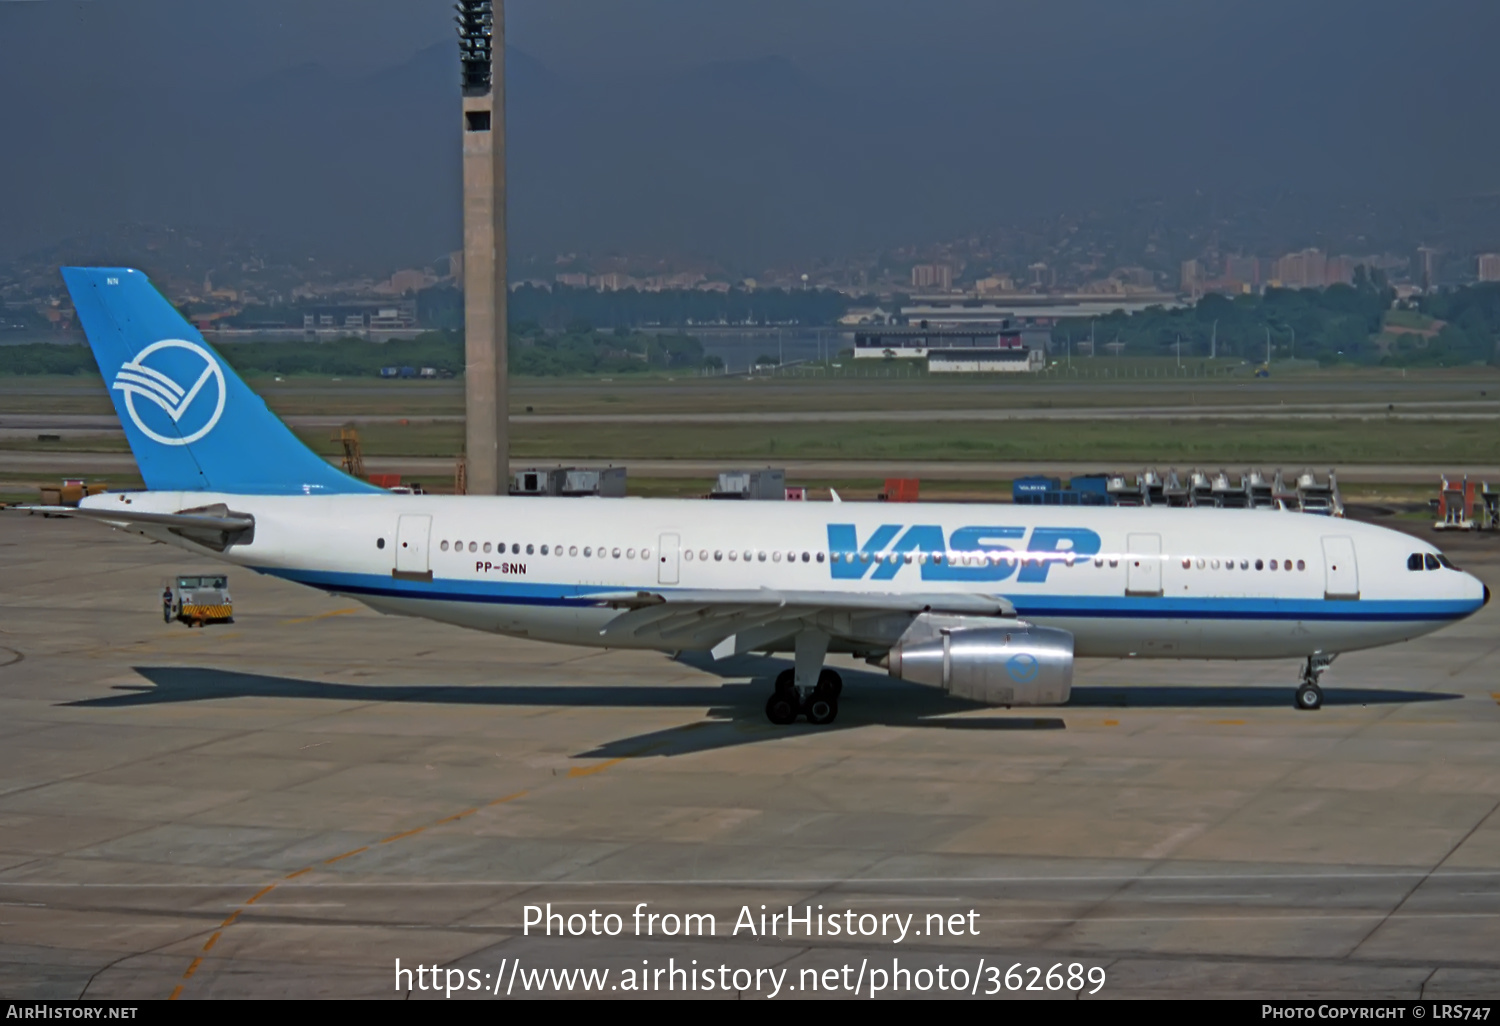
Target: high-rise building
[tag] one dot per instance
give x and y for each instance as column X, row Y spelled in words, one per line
column 1339, row 271
column 1489, row 267
column 1305, row 270
column 1192, row 277
column 1242, row 270
column 932, row 276
column 1429, row 265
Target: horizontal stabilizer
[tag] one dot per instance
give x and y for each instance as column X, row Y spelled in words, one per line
column 231, row 522
column 214, row 527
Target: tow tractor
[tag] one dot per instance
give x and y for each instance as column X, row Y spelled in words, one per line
column 198, row 600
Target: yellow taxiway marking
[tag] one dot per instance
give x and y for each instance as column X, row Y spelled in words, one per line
column 588, row 771
column 261, row 894
column 347, row 854
column 397, row 837
column 1111, row 723
column 1496, row 696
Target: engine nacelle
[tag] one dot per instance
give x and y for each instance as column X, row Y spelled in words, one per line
column 1013, row 664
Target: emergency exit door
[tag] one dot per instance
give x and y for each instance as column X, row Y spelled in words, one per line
column 1143, row 564
column 412, row 535
column 1340, row 572
column 666, row 565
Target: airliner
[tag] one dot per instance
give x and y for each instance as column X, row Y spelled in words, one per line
column 991, row 603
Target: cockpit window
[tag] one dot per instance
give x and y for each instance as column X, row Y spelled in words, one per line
column 1432, row 562
column 1444, row 562
column 1414, row 561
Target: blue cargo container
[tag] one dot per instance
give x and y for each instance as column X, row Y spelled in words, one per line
column 1087, row 490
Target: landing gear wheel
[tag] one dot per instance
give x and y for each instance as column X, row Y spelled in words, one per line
column 786, row 681
column 830, row 683
column 1309, row 696
column 822, row 709
column 782, row 708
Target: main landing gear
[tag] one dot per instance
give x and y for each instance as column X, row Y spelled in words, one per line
column 810, row 689
column 821, row 706
column 1309, row 693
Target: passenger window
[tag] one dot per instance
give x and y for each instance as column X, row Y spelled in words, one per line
column 820, row 557
column 530, row 549
column 733, row 556
column 444, row 546
column 1260, row 564
column 761, row 556
column 1432, row 562
column 544, row 550
column 687, row 554
column 776, row 557
column 1301, row 564
column 1273, row 565
column 703, row 555
column 486, row 548
column 588, row 551
column 572, row 550
column 718, row 555
column 473, row 546
column 1414, row 561
column 616, row 553
column 630, row 553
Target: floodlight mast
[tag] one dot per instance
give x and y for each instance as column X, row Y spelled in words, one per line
column 481, row 56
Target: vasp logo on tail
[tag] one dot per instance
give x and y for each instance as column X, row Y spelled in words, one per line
column 177, row 382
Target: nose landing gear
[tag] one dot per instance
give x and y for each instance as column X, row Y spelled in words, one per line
column 1309, row 691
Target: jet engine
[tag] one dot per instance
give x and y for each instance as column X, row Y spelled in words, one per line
column 1014, row 663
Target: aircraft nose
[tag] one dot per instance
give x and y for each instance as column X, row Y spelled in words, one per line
column 1486, row 594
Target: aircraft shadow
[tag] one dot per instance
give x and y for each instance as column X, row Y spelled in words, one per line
column 735, row 707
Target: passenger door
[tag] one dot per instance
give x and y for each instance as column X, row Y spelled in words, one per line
column 1143, row 564
column 1340, row 572
column 667, row 565
column 412, row 538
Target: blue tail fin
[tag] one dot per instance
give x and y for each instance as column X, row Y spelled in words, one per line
column 191, row 422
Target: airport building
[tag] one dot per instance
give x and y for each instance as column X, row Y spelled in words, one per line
column 1039, row 310
column 1005, row 348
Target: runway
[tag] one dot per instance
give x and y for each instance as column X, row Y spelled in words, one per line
column 285, row 805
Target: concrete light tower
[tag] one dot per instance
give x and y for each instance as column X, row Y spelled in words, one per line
column 481, row 54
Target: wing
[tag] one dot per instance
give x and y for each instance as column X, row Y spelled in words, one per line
column 730, row 622
column 215, row 527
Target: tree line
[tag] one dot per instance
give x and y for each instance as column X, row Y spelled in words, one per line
column 578, row 349
column 1354, row 324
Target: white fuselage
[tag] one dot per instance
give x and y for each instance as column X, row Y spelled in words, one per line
column 1166, row 583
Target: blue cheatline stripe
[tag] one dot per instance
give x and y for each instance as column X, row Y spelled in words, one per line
column 520, row 593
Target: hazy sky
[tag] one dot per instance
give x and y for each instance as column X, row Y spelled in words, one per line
column 633, row 127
